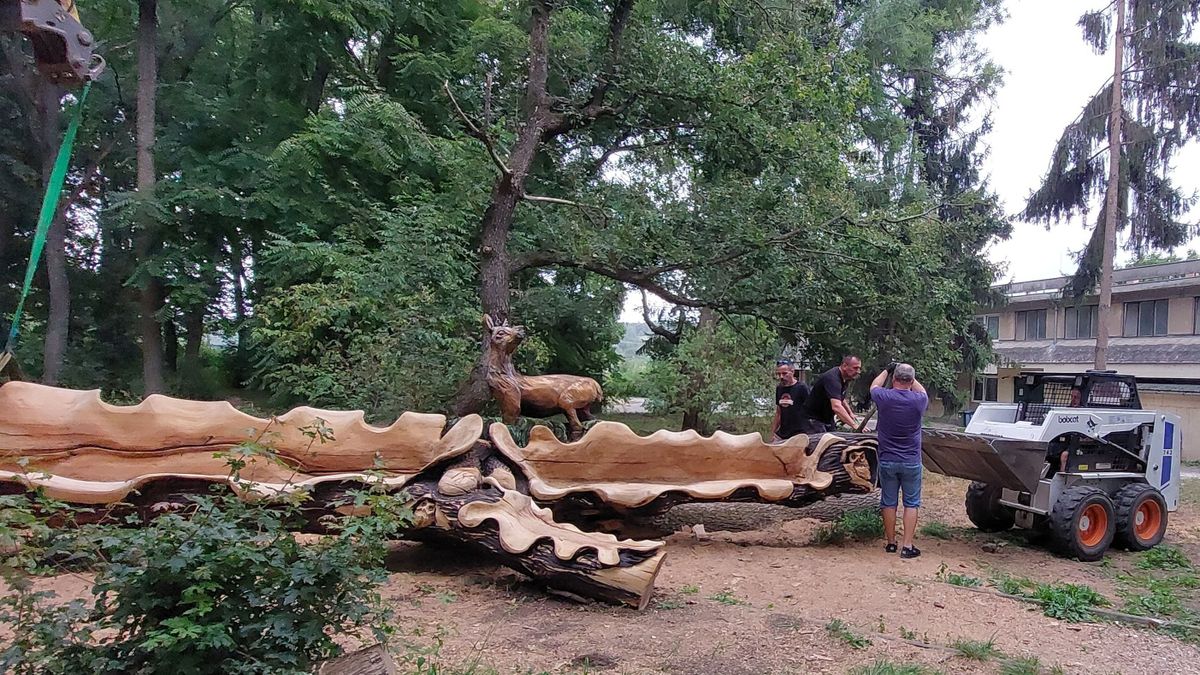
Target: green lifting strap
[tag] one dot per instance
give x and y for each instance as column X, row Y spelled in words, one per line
column 49, row 209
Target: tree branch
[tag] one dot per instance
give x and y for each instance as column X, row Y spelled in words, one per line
column 672, row 337
column 475, row 132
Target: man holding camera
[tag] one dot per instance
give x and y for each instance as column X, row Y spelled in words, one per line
column 900, row 410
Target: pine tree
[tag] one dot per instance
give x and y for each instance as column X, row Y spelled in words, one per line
column 1148, row 109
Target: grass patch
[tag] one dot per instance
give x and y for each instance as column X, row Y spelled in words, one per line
column 978, row 650
column 857, row 525
column 1164, row 557
column 966, row 580
column 1021, row 665
column 937, row 529
column 668, row 603
column 888, row 668
column 690, row 590
column 1068, row 602
column 1011, row 585
column 838, row 629
column 726, row 597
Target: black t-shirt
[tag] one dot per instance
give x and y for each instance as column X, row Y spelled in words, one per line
column 790, row 401
column 827, row 388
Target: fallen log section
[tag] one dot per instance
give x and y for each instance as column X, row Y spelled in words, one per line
column 511, row 501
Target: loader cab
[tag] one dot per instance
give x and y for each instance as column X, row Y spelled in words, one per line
column 1037, row 393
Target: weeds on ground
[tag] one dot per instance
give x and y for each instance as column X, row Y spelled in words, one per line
column 978, row 650
column 838, row 629
column 888, row 668
column 1011, row 585
column 857, row 525
column 937, row 529
column 668, row 603
column 1069, row 602
column 1021, row 665
column 726, row 597
column 956, row 579
column 1164, row 557
column 690, row 590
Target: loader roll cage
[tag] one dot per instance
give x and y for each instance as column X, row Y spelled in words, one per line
column 1037, row 393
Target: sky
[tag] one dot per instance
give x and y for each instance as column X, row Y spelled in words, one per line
column 1049, row 74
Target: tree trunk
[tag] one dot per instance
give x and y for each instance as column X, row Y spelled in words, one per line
column 193, row 324
column 1111, row 196
column 495, row 271
column 170, row 344
column 151, row 293
column 58, row 321
column 316, row 85
column 240, row 370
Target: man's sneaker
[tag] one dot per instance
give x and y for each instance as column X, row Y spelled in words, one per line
column 890, row 548
column 910, row 552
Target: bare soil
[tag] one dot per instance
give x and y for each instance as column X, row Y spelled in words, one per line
column 755, row 596
column 758, row 601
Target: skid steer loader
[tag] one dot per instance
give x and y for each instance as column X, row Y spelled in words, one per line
column 1074, row 457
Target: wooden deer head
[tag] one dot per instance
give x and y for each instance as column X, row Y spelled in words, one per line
column 503, row 338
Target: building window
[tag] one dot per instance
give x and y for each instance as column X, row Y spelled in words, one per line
column 991, row 324
column 1196, row 318
column 1031, row 325
column 1145, row 318
column 1080, row 322
column 986, row 389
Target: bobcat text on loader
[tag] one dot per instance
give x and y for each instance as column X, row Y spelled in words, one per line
column 1121, row 474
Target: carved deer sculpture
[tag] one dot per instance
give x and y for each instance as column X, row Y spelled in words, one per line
column 534, row 395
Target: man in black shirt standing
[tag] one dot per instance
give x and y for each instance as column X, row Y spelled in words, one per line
column 790, row 396
column 828, row 398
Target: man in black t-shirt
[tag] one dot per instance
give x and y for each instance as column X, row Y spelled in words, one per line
column 790, row 395
column 828, row 398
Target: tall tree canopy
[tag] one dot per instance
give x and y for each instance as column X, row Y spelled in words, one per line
column 341, row 188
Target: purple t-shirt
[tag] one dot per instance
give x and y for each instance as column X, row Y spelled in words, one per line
column 899, row 426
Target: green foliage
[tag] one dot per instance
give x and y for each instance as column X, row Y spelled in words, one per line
column 840, row 630
column 856, row 525
column 937, row 529
column 1069, row 602
column 1021, row 665
column 966, row 580
column 1164, row 557
column 978, row 650
column 883, row 667
column 689, row 589
column 726, row 597
column 219, row 586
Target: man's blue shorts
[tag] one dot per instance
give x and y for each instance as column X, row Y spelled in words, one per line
column 894, row 477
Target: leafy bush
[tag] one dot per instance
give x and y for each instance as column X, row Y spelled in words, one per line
column 219, row 586
column 1069, row 602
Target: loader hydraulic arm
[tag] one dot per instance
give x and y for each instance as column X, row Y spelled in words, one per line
column 62, row 47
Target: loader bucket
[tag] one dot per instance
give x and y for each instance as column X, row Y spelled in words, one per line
column 1011, row 463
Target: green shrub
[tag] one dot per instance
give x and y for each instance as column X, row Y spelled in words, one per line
column 1069, row 602
column 222, row 586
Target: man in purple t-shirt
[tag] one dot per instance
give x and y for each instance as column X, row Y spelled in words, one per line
column 899, row 430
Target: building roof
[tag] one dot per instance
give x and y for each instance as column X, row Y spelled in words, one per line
column 1174, row 349
column 1131, row 279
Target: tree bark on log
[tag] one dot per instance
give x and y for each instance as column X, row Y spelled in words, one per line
column 374, row 660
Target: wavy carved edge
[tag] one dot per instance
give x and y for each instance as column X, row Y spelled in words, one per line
column 78, row 448
column 800, row 470
column 522, row 523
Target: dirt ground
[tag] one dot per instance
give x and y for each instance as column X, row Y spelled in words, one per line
column 759, row 600
column 756, row 596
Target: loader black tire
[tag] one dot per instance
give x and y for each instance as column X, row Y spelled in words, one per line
column 1083, row 522
column 1141, row 517
column 985, row 510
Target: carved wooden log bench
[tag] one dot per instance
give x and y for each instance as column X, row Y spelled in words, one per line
column 612, row 470
column 508, row 500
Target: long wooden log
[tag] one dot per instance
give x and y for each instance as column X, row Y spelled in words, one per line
column 613, row 469
column 81, row 450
